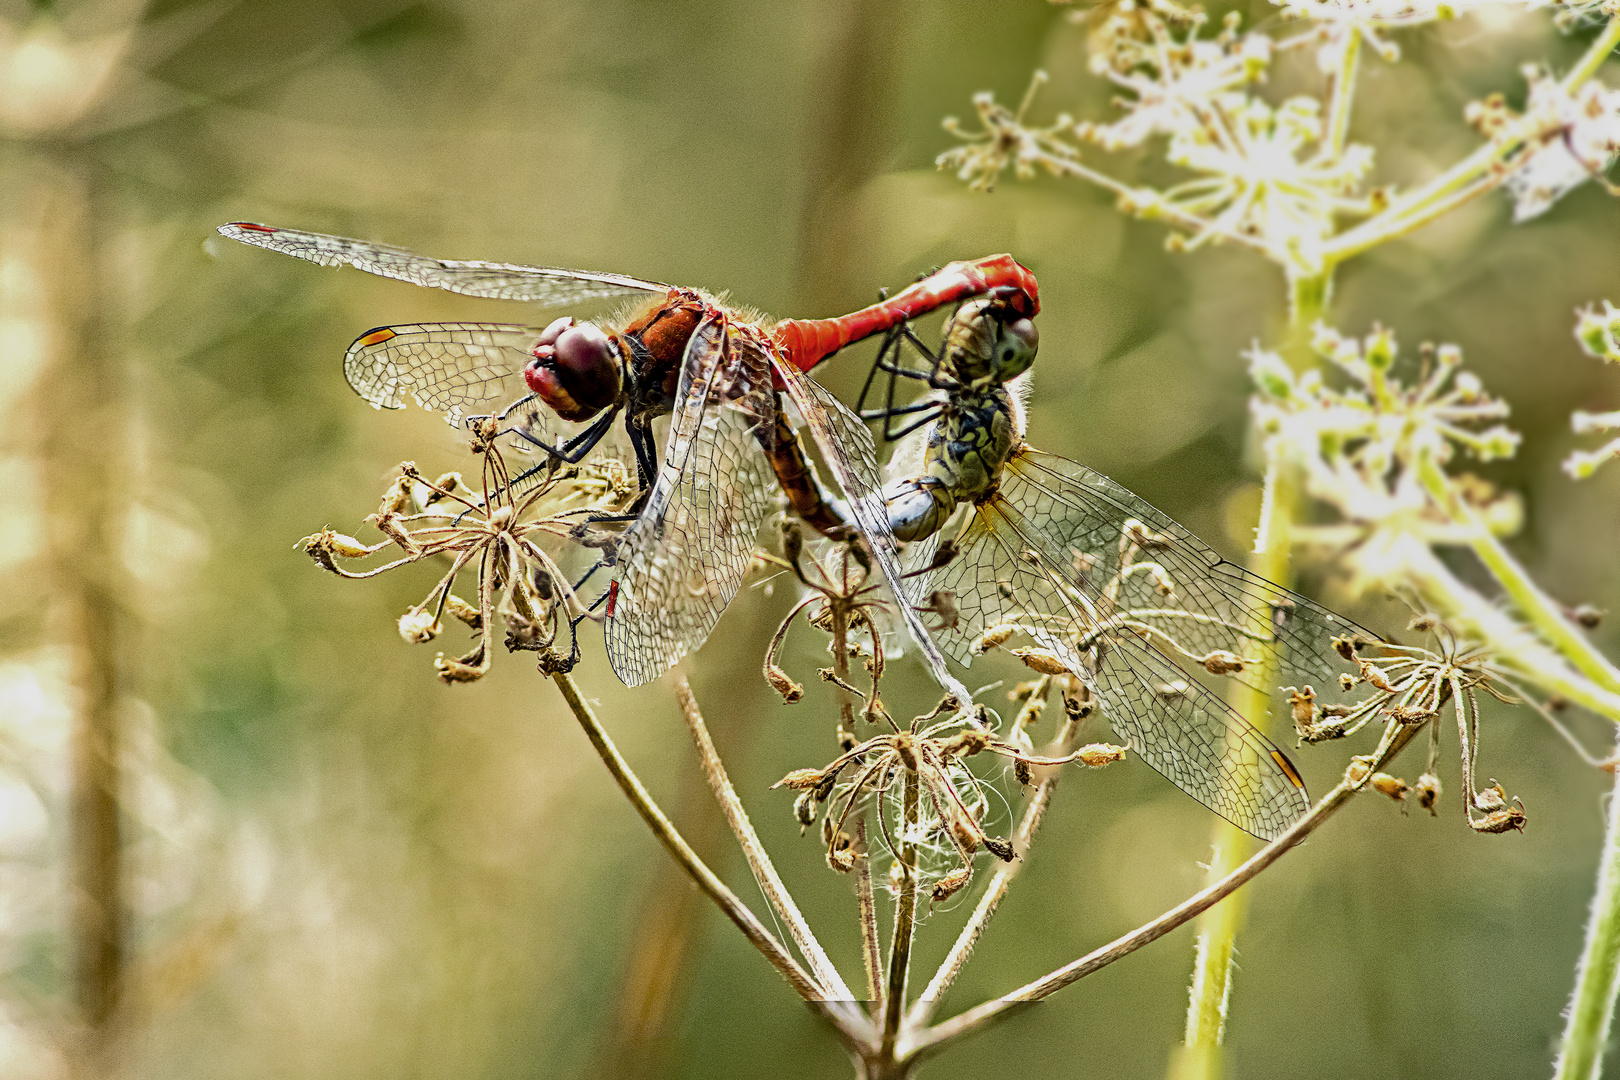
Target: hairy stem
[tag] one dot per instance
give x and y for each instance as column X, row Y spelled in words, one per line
column 1537, row 607
column 759, row 860
column 1211, row 986
column 1597, row 978
column 977, row 1018
column 1344, row 90
column 841, row 1015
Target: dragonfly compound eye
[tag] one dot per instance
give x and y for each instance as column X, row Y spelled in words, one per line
column 1016, row 346
column 575, row 369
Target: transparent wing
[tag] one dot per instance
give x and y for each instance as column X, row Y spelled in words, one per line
column 545, row 285
column 682, row 560
column 847, row 447
column 1026, row 559
column 458, row 369
column 1176, row 583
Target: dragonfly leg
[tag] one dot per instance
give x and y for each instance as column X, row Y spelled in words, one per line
column 640, row 432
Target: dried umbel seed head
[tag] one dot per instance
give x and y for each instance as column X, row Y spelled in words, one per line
column 801, row 779
column 1078, row 707
column 791, row 691
column 1221, row 662
column 1096, row 755
column 965, row 743
column 417, row 626
column 1508, row 819
column 1345, row 647
column 1587, row 616
column 1021, row 771
column 1424, row 624
column 993, row 638
column 1392, row 786
column 1358, row 770
column 464, row 611
column 804, row 810
column 1302, row 706
column 1001, row 849
column 1347, row 682
column 1428, row 791
column 967, row 833
column 951, row 883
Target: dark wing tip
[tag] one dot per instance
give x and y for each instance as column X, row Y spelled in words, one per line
column 231, row 228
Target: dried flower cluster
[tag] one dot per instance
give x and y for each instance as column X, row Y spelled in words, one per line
column 1410, row 686
column 497, row 533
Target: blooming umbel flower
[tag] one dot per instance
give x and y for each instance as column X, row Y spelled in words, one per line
column 1599, row 334
column 1575, row 138
column 497, row 534
column 1360, row 446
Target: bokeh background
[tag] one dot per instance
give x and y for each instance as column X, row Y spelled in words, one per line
column 336, row 867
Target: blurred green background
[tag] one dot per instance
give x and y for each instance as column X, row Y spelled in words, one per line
column 337, row 867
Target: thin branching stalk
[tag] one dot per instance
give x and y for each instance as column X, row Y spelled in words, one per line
column 1211, row 986
column 1597, row 978
column 1344, row 90
column 1478, row 173
column 975, row 1019
column 851, row 1027
column 923, row 1009
column 871, row 947
column 905, row 914
column 759, row 860
column 1536, row 606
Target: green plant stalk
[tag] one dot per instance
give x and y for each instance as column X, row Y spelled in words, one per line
column 1476, row 174
column 1539, row 609
column 1597, row 978
column 1519, row 653
column 1199, row 1057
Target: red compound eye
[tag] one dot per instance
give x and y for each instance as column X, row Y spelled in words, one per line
column 575, row 369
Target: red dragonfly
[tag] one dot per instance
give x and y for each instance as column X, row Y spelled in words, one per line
column 715, row 369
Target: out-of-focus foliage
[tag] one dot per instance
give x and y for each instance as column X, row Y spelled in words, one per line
column 341, row 868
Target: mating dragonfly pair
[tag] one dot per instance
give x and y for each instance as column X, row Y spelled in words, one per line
column 1120, row 594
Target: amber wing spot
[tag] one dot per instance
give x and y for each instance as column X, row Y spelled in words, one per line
column 1288, row 768
column 377, row 336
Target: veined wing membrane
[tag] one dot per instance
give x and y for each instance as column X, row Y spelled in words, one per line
column 683, row 558
column 1180, row 585
column 1015, row 565
column 458, row 369
column 847, row 447
column 546, row 285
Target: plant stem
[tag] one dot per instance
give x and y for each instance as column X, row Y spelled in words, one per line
column 871, row 949
column 905, row 914
column 1476, row 174
column 849, row 1025
column 1597, row 978
column 1344, row 90
column 1536, row 606
column 923, row 1009
column 1211, row 987
column 974, row 1019
column 759, row 860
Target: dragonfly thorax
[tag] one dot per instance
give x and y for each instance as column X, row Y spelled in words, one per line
column 967, row 449
column 576, row 370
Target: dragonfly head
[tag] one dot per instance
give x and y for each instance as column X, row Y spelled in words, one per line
column 987, row 341
column 575, row 369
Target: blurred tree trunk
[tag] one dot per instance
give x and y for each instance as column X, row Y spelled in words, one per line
column 851, row 133
column 80, row 401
